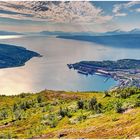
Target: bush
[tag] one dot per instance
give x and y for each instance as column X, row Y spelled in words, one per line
column 137, row 103
column 53, row 121
column 39, row 99
column 97, row 108
column 80, row 104
column 62, row 112
column 92, row 103
column 118, row 107
column 82, row 117
column 3, row 114
column 15, row 107
column 18, row 115
column 106, row 94
column 65, row 112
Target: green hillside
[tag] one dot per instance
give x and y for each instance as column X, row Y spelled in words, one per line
column 58, row 114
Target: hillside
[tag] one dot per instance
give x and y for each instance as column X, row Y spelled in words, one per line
column 120, row 41
column 59, row 114
column 14, row 56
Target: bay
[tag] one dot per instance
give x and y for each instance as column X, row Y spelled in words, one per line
column 51, row 71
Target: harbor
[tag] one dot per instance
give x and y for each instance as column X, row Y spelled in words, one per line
column 125, row 77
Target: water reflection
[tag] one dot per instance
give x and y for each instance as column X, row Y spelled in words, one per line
column 51, row 72
column 10, row 36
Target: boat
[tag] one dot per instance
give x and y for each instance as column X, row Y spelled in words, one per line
column 83, row 72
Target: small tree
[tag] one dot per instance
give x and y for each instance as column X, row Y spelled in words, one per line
column 97, row 108
column 92, row 103
column 39, row 99
column 80, row 104
column 15, row 107
column 4, row 114
column 62, row 112
column 118, row 107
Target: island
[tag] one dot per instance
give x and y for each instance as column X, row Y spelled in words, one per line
column 15, row 56
column 126, row 71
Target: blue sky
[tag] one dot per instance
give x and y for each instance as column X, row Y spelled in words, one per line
column 84, row 16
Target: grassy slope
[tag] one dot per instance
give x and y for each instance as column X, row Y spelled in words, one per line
column 41, row 119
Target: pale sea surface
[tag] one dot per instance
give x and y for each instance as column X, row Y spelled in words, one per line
column 51, row 71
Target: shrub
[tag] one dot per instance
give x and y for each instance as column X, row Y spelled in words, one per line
column 18, row 115
column 106, row 94
column 137, row 103
column 15, row 107
column 82, row 117
column 92, row 103
column 39, row 99
column 80, row 104
column 53, row 121
column 4, row 114
column 97, row 108
column 118, row 107
column 22, row 95
column 62, row 112
column 65, row 112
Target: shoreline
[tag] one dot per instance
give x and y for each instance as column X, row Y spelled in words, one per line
column 125, row 77
column 15, row 56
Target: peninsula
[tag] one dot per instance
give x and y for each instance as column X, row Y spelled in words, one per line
column 14, row 56
column 126, row 71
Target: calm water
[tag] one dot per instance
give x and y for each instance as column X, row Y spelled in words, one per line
column 51, row 71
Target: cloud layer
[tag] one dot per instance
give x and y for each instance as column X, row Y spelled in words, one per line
column 118, row 8
column 58, row 12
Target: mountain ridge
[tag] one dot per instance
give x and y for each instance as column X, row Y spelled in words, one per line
column 57, row 33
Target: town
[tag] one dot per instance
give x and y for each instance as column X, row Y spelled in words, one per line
column 125, row 71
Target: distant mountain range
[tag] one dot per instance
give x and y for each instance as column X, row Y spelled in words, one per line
column 117, row 40
column 115, row 32
column 65, row 33
column 61, row 33
column 119, row 32
column 9, row 33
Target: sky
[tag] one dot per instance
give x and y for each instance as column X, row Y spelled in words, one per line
column 69, row 16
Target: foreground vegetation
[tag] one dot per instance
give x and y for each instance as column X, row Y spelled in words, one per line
column 58, row 114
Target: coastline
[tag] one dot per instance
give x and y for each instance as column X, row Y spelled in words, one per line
column 126, row 77
column 15, row 56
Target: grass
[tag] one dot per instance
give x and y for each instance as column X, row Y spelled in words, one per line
column 56, row 114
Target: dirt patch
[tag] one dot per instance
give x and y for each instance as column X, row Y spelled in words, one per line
column 60, row 95
column 128, row 111
column 5, row 126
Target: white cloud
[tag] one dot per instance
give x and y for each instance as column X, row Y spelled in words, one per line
column 119, row 7
column 59, row 12
column 120, row 14
column 137, row 10
column 131, row 3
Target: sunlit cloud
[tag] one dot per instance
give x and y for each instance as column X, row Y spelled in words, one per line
column 117, row 10
column 59, row 12
column 137, row 10
column 68, row 16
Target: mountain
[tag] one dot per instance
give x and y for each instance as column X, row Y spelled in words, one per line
column 57, row 33
column 135, row 31
column 114, row 32
column 120, row 32
column 62, row 33
column 121, row 40
column 9, row 33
